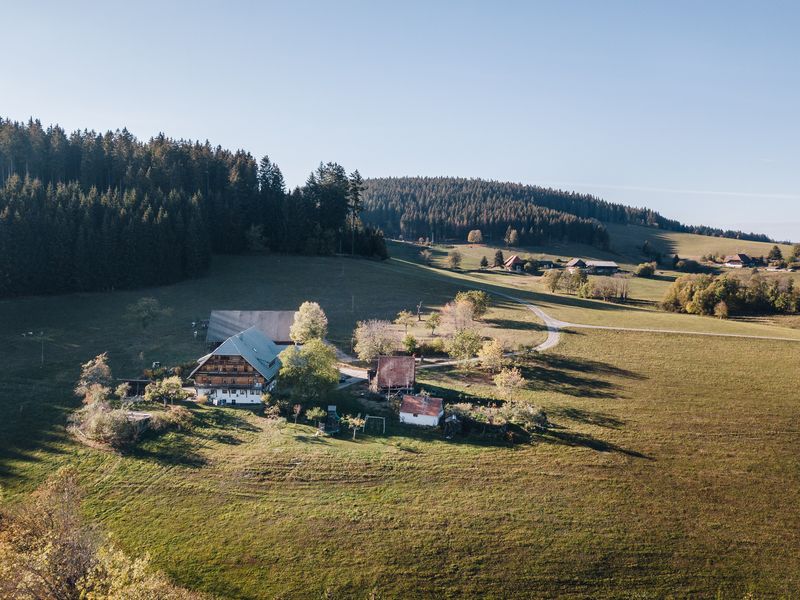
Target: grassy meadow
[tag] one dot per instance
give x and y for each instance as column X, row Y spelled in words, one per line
column 671, row 471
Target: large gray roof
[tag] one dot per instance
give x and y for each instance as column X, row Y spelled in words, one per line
column 275, row 324
column 252, row 345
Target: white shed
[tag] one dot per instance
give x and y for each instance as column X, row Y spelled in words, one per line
column 421, row 410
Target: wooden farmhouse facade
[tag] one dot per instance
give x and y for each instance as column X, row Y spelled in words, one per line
column 239, row 370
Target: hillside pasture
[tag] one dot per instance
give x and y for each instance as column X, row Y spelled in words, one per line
column 663, row 476
column 627, row 240
column 671, row 469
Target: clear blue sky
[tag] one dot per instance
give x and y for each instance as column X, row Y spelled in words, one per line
column 692, row 108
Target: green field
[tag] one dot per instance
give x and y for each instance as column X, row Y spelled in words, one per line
column 672, row 472
column 628, row 239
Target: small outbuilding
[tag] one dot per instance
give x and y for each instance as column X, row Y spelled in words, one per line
column 394, row 374
column 421, row 410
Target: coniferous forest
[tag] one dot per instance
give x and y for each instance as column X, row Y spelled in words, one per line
column 89, row 211
column 449, row 207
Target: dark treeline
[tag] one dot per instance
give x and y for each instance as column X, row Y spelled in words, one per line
column 446, row 207
column 91, row 211
column 451, row 206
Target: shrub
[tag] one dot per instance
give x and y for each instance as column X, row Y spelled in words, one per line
column 647, row 269
column 202, row 400
column 410, row 344
column 454, row 259
column 721, row 310
column 434, row 346
column 176, row 417
column 100, row 423
column 464, row 344
column 491, row 355
column 509, row 380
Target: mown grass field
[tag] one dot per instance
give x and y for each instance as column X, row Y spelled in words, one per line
column 672, row 472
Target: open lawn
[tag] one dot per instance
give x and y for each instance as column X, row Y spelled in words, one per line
column 672, row 470
column 628, row 239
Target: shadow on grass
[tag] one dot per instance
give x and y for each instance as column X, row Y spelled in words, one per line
column 587, row 417
column 583, row 440
column 583, row 365
column 170, row 450
column 218, row 418
column 514, row 324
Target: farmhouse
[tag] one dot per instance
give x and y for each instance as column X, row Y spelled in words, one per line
column 596, row 267
column 514, row 263
column 576, row 264
column 421, row 410
column 274, row 324
column 239, row 369
column 738, row 261
column 394, row 374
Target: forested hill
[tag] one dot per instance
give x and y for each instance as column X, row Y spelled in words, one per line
column 449, row 207
column 98, row 211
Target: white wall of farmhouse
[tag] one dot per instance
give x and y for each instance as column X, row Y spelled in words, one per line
column 219, row 396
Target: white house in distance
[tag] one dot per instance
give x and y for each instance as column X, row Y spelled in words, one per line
column 738, row 261
column 239, row 370
column 421, row 410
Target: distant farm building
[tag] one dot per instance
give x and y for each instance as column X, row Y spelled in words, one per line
column 738, row 261
column 576, row 264
column 602, row 267
column 514, row 263
column 596, row 267
column 421, row 410
column 239, row 370
column 394, row 374
column 275, row 324
column 546, row 263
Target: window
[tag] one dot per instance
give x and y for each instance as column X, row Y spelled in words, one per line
column 224, row 391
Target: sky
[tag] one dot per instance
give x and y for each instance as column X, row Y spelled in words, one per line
column 689, row 108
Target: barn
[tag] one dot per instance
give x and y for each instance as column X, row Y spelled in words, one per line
column 421, row 410
column 275, row 324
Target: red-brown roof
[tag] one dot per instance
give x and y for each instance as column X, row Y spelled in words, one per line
column 421, row 405
column 396, row 371
column 514, row 260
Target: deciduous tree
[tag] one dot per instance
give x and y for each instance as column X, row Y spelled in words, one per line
column 374, row 338
column 308, row 373
column 310, row 323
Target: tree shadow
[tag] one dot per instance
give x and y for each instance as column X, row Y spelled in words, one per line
column 584, row 440
column 221, row 418
column 587, row 417
column 225, row 438
column 175, row 450
column 585, row 365
column 515, row 324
